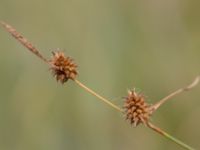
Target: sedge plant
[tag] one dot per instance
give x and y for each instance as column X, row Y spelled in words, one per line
column 136, row 110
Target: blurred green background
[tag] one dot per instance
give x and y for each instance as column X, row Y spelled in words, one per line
column 118, row 45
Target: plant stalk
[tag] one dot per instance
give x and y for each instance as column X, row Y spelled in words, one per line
column 179, row 91
column 173, row 139
column 98, row 96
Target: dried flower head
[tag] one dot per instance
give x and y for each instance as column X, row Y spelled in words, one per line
column 136, row 109
column 63, row 67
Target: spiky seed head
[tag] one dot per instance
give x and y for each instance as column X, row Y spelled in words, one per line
column 63, row 67
column 137, row 111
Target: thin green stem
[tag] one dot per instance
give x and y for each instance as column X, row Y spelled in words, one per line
column 173, row 139
column 98, row 96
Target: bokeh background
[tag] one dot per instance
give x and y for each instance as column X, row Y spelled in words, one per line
column 118, row 44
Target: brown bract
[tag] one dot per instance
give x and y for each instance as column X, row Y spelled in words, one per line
column 136, row 109
column 63, row 67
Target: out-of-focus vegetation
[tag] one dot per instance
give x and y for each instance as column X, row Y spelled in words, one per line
column 151, row 45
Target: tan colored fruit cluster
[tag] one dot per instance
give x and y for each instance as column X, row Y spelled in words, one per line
column 63, row 67
column 136, row 109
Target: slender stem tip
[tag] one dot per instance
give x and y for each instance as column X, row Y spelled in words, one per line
column 194, row 83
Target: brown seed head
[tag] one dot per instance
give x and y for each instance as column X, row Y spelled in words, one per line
column 63, row 67
column 136, row 109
